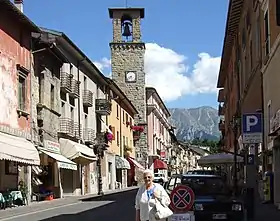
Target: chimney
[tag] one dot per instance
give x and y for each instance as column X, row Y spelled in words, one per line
column 19, row 4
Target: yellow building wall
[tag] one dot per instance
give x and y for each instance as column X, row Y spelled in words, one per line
column 123, row 134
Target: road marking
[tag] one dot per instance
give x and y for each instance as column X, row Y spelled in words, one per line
column 40, row 211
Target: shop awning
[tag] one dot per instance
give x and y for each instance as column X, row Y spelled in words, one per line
column 159, row 164
column 77, row 152
column 122, row 163
column 18, row 149
column 135, row 163
column 220, row 158
column 62, row 161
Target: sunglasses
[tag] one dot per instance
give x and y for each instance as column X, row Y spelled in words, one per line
column 147, row 177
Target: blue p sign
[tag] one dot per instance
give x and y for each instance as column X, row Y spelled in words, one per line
column 252, row 123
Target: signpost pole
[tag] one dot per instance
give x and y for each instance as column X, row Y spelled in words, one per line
column 252, row 136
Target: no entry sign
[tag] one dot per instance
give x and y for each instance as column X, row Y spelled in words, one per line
column 182, row 199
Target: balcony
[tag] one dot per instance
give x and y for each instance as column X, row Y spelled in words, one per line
column 65, row 82
column 222, row 125
column 103, row 106
column 75, row 88
column 221, row 110
column 101, row 139
column 77, row 130
column 87, row 98
column 89, row 136
column 66, row 127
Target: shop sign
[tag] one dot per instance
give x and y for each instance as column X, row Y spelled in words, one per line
column 68, row 166
column 51, row 146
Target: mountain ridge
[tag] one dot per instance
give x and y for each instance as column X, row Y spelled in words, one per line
column 197, row 122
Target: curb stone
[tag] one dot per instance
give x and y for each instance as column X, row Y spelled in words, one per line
column 36, row 206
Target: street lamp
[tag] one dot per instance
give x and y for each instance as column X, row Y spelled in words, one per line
column 234, row 126
column 99, row 149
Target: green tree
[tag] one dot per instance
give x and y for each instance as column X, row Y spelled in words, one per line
column 213, row 145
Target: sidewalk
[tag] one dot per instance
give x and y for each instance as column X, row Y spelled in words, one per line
column 267, row 212
column 49, row 205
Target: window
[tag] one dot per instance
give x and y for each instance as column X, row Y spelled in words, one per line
column 117, row 111
column 205, row 186
column 123, row 141
column 257, row 37
column 72, row 113
column 123, row 116
column 86, row 121
column 63, row 109
column 21, row 92
column 269, row 116
column 85, row 83
column 126, row 119
column 173, row 183
column 251, row 56
column 52, row 97
column 266, row 33
column 118, row 138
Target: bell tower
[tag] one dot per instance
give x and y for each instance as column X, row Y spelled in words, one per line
column 127, row 56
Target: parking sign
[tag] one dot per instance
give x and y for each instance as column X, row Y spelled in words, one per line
column 252, row 128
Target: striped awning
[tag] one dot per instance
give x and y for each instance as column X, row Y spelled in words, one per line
column 122, row 163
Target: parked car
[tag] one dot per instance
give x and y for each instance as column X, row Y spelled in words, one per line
column 160, row 178
column 213, row 198
column 202, row 172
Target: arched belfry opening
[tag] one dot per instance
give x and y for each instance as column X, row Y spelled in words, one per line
column 127, row 28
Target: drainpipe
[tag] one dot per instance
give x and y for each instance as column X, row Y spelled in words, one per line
column 79, row 124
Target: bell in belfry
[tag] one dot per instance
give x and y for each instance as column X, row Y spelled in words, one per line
column 126, row 29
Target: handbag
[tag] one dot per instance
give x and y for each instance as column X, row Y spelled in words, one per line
column 161, row 211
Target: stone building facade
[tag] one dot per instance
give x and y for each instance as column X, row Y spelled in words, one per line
column 127, row 55
column 16, row 117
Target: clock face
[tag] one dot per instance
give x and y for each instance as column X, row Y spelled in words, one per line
column 130, row 76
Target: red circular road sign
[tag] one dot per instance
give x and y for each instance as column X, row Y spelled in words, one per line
column 182, row 198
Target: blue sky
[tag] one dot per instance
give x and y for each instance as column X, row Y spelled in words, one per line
column 177, row 32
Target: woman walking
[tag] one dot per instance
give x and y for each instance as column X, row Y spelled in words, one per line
column 147, row 196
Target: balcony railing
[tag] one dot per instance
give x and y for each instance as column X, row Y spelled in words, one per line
column 87, row 98
column 77, row 130
column 66, row 127
column 103, row 106
column 89, row 136
column 221, row 110
column 75, row 88
column 65, row 82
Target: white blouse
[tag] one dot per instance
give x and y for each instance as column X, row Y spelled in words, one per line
column 145, row 205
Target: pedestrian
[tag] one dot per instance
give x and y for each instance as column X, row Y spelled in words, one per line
column 146, row 197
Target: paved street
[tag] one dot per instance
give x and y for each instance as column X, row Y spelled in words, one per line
column 117, row 207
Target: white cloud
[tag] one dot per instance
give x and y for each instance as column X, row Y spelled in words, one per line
column 169, row 73
column 104, row 63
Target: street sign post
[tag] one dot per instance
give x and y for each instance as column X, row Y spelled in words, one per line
column 182, row 199
column 252, row 128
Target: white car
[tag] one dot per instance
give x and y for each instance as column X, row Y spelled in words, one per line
column 159, row 178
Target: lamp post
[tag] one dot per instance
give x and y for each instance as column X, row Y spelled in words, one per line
column 234, row 125
column 100, row 154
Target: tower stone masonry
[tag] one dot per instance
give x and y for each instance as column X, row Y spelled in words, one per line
column 127, row 61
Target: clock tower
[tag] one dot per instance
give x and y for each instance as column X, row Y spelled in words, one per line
column 127, row 57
